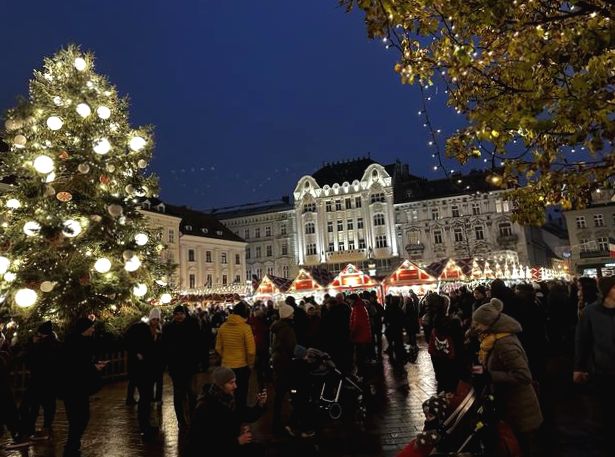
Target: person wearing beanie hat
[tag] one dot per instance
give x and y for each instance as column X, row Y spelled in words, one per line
column 155, row 313
column 595, row 355
column 237, row 348
column 42, row 358
column 505, row 362
column 284, row 340
column 218, row 424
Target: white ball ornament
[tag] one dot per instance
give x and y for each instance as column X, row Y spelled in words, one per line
column 80, row 64
column 142, row 163
column 110, row 168
column 20, row 141
column 54, row 123
column 128, row 254
column 31, row 228
column 83, row 168
column 13, row 203
column 141, row 239
column 49, row 191
column 103, row 112
column 71, row 228
column 102, row 265
column 57, row 101
column 5, row 263
column 139, row 290
column 24, row 298
column 51, row 177
column 132, row 264
column 83, row 110
column 130, row 189
column 13, row 124
column 9, row 276
column 102, row 146
column 115, row 210
column 137, row 143
column 47, row 286
column 43, row 164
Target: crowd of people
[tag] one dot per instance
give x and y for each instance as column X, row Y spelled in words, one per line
column 503, row 334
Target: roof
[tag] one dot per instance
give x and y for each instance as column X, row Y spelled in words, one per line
column 414, row 188
column 340, row 172
column 197, row 223
column 252, row 209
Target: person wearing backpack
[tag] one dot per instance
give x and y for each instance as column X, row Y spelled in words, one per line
column 446, row 349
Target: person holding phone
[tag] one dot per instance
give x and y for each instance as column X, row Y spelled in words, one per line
column 218, row 426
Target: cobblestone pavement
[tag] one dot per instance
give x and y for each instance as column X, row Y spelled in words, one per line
column 394, row 418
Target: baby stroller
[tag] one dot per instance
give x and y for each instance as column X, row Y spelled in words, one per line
column 329, row 389
column 463, row 424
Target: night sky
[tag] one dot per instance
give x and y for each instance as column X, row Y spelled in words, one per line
column 246, row 97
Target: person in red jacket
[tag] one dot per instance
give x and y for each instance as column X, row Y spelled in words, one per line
column 260, row 328
column 360, row 332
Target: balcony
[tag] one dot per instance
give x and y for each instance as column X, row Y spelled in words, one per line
column 594, row 254
column 347, row 256
column 413, row 248
column 508, row 239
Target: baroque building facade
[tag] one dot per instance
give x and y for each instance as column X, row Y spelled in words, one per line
column 374, row 216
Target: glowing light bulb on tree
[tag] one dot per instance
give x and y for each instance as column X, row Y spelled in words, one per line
column 141, row 239
column 24, row 298
column 137, row 143
column 31, row 228
column 80, row 64
column 139, row 290
column 165, row 299
column 102, row 146
column 9, row 276
column 43, row 164
column 71, row 228
column 54, row 123
column 5, row 263
column 83, row 110
column 103, row 112
column 13, row 203
column 132, row 264
column 102, row 265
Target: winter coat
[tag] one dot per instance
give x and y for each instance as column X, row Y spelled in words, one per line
column 79, row 376
column 300, row 324
column 139, row 340
column 595, row 341
column 282, row 345
column 313, row 333
column 508, row 369
column 335, row 328
column 360, row 328
column 260, row 329
column 180, row 341
column 216, row 424
column 235, row 343
column 42, row 360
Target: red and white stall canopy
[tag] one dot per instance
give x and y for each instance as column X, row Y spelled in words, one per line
column 448, row 270
column 272, row 285
column 409, row 274
column 353, row 278
column 312, row 280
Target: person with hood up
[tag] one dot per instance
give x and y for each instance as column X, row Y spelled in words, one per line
column 505, row 364
column 81, row 378
column 594, row 361
column 283, row 345
column 235, row 344
column 217, row 426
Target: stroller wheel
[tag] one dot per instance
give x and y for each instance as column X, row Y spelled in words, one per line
column 335, row 411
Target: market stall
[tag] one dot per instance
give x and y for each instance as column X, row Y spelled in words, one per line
column 311, row 282
column 409, row 276
column 272, row 288
column 353, row 280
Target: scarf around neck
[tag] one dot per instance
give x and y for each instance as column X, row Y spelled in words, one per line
column 487, row 341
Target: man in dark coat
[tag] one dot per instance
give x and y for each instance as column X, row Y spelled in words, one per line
column 81, row 378
column 180, row 339
column 9, row 415
column 283, row 345
column 42, row 358
column 335, row 328
column 217, row 427
column 394, row 321
column 300, row 320
column 144, row 345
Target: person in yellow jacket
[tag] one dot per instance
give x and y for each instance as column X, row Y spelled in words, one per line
column 235, row 344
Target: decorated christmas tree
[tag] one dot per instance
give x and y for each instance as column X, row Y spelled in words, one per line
column 72, row 239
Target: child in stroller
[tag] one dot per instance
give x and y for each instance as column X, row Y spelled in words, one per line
column 463, row 423
column 317, row 385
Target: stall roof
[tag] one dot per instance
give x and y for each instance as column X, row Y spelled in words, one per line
column 351, row 277
column 311, row 279
column 447, row 270
column 281, row 284
column 409, row 273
